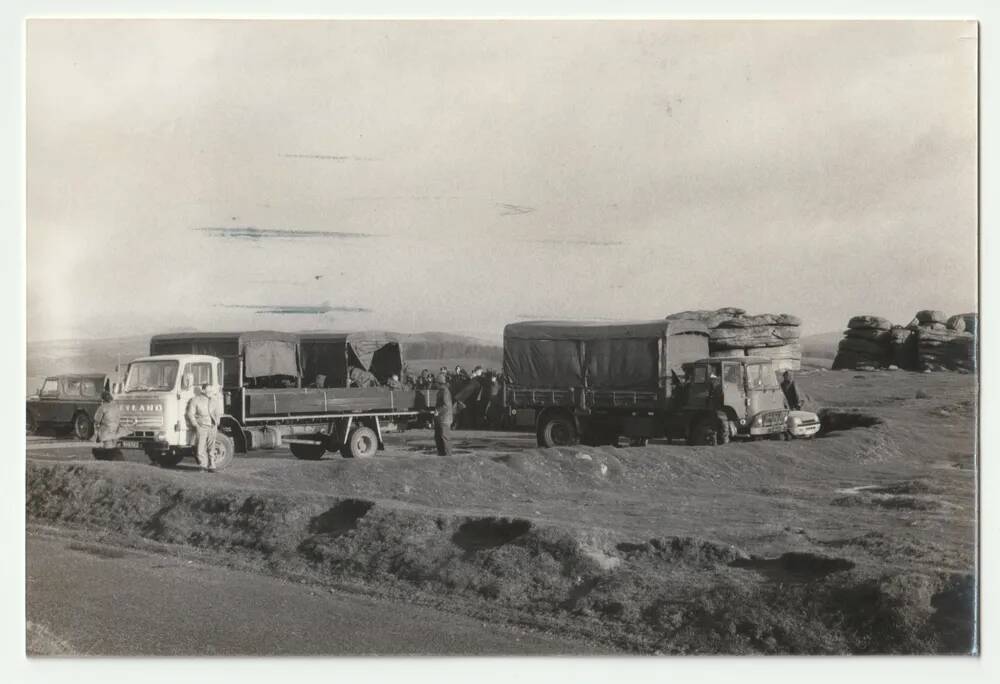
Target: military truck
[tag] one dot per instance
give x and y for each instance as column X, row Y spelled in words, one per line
column 272, row 388
column 594, row 382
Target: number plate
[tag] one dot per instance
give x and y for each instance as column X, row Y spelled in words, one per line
column 130, row 444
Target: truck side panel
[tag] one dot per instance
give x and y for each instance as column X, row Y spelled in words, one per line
column 262, row 403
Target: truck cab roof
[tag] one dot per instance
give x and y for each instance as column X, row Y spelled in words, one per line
column 204, row 358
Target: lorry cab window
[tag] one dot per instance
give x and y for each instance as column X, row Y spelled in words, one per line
column 144, row 376
column 72, row 387
column 700, row 374
column 731, row 374
column 762, row 376
column 201, row 372
column 88, row 388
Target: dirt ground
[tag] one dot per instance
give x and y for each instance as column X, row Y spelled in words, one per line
column 862, row 540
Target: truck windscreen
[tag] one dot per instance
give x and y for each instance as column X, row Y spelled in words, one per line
column 146, row 376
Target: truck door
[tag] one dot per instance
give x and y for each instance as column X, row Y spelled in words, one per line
column 734, row 388
column 195, row 374
column 706, row 386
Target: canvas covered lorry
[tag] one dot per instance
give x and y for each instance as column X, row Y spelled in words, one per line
column 594, row 382
column 272, row 388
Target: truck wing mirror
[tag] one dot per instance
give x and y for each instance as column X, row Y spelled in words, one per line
column 186, row 381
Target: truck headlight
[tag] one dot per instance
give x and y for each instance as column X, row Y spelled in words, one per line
column 161, row 436
column 758, row 420
column 795, row 421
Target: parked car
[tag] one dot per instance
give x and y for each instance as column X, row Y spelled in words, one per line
column 67, row 403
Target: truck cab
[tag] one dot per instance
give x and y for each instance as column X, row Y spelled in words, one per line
column 743, row 391
column 153, row 403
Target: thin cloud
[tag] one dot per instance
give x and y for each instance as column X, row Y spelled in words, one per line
column 329, row 157
column 514, row 209
column 254, row 233
column 300, row 309
column 588, row 243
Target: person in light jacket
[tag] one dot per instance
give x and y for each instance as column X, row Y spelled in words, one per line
column 107, row 420
column 203, row 415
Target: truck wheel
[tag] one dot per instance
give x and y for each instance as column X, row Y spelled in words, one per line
column 557, row 431
column 30, row 423
column 83, row 426
column 706, row 432
column 223, row 451
column 361, row 443
column 308, row 452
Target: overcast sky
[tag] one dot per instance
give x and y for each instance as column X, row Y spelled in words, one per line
column 457, row 176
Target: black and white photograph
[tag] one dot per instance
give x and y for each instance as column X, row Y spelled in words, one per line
column 501, row 337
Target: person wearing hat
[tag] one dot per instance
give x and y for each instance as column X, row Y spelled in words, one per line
column 443, row 416
column 107, row 420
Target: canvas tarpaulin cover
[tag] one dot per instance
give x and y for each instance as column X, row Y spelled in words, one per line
column 262, row 358
column 598, row 355
column 232, row 347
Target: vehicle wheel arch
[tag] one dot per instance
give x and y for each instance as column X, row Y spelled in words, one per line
column 552, row 414
column 234, row 430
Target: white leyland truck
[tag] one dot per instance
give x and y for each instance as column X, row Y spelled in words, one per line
column 154, row 400
column 273, row 388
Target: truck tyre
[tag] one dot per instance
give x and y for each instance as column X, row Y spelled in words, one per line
column 31, row 423
column 708, row 431
column 361, row 443
column 83, row 426
column 223, row 451
column 556, row 431
column 308, row 452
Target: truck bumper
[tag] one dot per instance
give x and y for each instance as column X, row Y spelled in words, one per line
column 145, row 444
column 767, row 430
column 803, row 431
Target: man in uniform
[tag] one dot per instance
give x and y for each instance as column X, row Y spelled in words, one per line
column 203, row 414
column 791, row 391
column 442, row 417
column 467, row 399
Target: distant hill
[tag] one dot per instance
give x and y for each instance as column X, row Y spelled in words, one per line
column 822, row 345
column 54, row 357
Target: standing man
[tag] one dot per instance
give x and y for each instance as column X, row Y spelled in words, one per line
column 106, row 421
column 791, row 391
column 467, row 399
column 203, row 414
column 491, row 401
column 442, row 417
